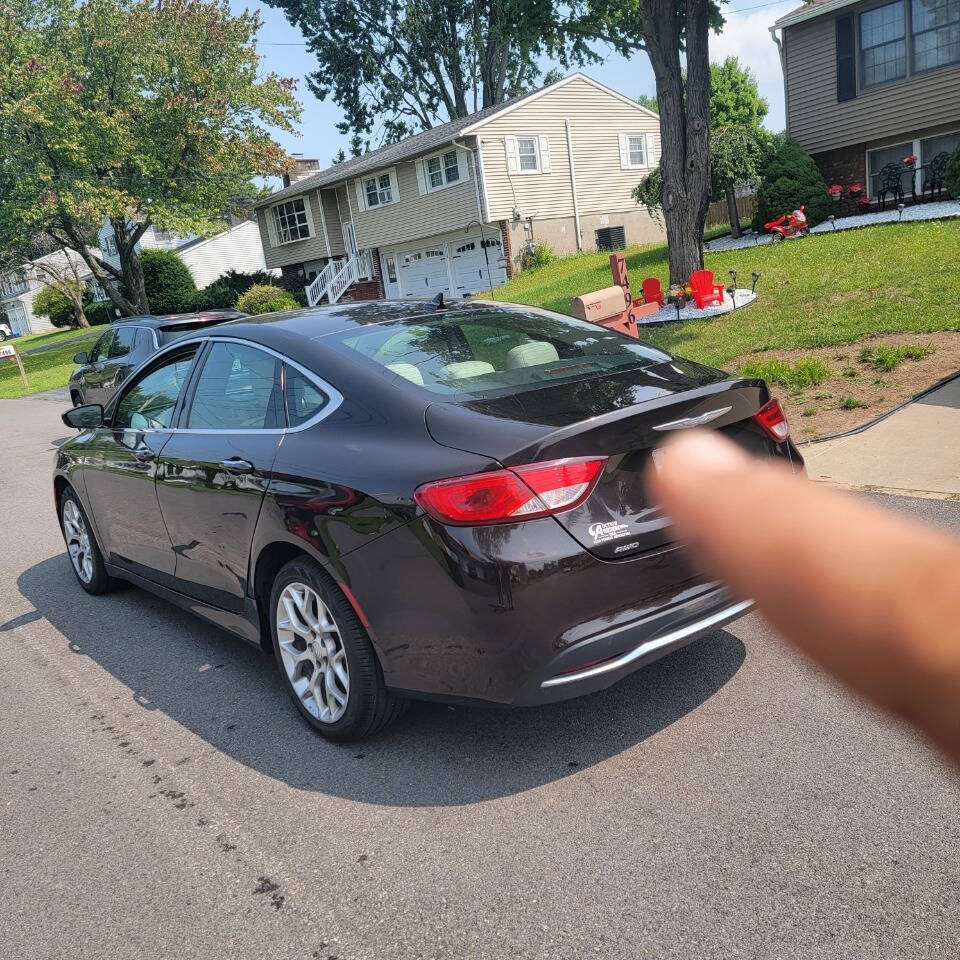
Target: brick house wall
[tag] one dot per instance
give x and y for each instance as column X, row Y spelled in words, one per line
column 844, row 166
column 507, row 248
column 371, row 289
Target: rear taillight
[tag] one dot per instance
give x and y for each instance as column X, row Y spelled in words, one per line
column 507, row 496
column 773, row 420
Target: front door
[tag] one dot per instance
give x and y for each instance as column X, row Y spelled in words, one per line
column 391, row 280
column 349, row 239
column 120, row 485
column 216, row 468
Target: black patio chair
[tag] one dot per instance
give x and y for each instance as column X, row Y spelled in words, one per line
column 936, row 175
column 889, row 184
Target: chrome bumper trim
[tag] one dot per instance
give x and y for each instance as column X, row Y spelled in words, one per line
column 714, row 620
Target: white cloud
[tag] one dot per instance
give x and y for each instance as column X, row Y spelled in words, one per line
column 746, row 35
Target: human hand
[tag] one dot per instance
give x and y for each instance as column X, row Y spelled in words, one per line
column 872, row 597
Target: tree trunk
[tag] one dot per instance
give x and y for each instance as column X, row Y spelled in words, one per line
column 684, row 126
column 732, row 210
column 79, row 316
column 130, row 267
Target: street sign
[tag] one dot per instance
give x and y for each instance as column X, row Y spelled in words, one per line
column 9, row 352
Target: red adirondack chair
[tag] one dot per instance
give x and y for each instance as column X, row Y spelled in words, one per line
column 704, row 290
column 652, row 291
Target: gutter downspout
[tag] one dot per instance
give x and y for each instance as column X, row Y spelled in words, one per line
column 573, row 187
column 781, row 49
column 323, row 223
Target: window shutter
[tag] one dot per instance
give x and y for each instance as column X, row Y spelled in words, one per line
column 394, row 184
column 271, row 225
column 361, row 197
column 308, row 209
column 463, row 165
column 648, row 149
column 846, row 59
column 513, row 158
column 421, row 178
column 624, row 152
column 544, row 143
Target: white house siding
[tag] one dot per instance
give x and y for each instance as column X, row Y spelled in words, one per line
column 597, row 118
column 238, row 248
column 414, row 216
column 311, row 248
column 149, row 241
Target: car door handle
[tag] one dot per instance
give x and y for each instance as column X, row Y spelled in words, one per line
column 236, row 465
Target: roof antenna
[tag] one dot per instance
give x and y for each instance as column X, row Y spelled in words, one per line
column 437, row 302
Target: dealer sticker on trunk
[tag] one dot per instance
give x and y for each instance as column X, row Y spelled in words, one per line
column 605, row 532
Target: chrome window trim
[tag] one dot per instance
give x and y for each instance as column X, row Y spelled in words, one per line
column 334, row 395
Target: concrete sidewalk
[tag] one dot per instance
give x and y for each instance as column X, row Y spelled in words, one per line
column 914, row 452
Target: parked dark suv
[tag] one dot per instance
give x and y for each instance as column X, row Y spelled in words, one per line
column 126, row 344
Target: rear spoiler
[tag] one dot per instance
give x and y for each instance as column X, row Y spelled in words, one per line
column 183, row 323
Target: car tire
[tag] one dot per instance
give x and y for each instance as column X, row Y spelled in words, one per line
column 82, row 548
column 319, row 642
column 3, row 335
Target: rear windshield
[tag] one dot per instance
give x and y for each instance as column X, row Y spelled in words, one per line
column 492, row 352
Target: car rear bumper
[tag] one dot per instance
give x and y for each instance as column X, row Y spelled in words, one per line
column 605, row 658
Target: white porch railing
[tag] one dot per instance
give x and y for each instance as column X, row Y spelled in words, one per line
column 317, row 287
column 337, row 276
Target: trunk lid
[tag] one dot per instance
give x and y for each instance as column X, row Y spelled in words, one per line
column 623, row 418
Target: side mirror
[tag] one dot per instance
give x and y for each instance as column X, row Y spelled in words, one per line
column 81, row 358
column 84, row 418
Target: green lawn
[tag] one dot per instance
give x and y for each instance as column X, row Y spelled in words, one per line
column 48, row 337
column 819, row 291
column 45, row 370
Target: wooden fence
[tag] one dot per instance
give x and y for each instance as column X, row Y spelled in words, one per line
column 717, row 213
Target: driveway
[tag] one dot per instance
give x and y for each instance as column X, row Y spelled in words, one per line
column 161, row 797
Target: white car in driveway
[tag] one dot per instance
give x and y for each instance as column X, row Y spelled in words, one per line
column 5, row 331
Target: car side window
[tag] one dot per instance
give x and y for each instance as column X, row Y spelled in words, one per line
column 149, row 403
column 122, row 343
column 101, row 348
column 304, row 398
column 237, row 389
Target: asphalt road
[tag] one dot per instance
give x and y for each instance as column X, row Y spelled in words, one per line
column 161, row 798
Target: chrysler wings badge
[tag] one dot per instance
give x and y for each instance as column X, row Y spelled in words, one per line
column 687, row 422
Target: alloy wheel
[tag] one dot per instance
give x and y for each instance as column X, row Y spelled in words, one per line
column 312, row 652
column 78, row 540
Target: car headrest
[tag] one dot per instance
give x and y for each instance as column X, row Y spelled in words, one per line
column 531, row 354
column 408, row 371
column 468, row 368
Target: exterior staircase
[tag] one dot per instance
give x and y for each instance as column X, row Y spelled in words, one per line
column 337, row 277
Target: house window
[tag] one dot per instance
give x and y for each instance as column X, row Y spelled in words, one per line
column 433, row 253
column 936, row 33
column 378, row 190
column 878, row 159
column 110, row 245
column 528, row 154
column 290, row 220
column 883, row 47
column 161, row 236
column 442, row 170
column 391, row 270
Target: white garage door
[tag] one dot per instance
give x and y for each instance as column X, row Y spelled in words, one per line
column 423, row 273
column 475, row 261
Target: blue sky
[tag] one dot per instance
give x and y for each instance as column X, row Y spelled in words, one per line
column 745, row 35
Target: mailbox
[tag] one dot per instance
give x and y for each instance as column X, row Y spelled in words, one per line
column 599, row 305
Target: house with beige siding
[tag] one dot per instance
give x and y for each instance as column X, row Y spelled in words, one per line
column 870, row 82
column 453, row 209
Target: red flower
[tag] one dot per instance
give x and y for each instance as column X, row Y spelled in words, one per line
column 910, row 161
column 855, row 189
column 835, row 190
column 864, row 202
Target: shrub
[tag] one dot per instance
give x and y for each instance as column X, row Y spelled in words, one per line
column 258, row 296
column 169, row 286
column 806, row 372
column 223, row 293
column 889, row 358
column 790, row 179
column 952, row 179
column 100, row 313
column 540, row 255
column 851, row 403
column 283, row 302
column 53, row 305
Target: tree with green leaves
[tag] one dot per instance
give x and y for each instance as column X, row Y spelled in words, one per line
column 397, row 67
column 735, row 96
column 140, row 112
column 649, row 101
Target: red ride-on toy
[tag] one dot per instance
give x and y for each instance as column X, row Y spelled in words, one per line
column 788, row 225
